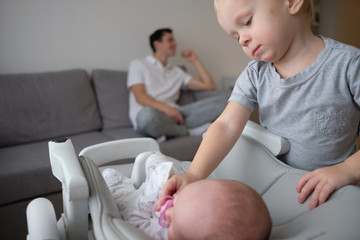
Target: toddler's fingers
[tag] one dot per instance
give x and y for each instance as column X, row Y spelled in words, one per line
column 325, row 193
column 303, row 180
column 307, row 189
column 314, row 201
column 169, row 188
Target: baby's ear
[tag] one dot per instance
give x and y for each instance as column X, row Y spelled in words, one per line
column 294, row 6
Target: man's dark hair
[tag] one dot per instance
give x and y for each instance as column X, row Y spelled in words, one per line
column 157, row 35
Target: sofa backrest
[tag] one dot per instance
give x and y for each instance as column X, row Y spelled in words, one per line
column 113, row 97
column 42, row 106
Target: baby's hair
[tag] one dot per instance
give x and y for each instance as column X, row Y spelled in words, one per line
column 252, row 217
column 237, row 211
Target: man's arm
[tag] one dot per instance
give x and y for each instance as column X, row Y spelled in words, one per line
column 147, row 101
column 205, row 80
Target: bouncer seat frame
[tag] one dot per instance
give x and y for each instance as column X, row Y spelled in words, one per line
column 90, row 211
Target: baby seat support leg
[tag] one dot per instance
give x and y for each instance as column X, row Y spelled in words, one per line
column 66, row 167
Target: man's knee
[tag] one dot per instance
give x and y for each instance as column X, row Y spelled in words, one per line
column 147, row 115
column 154, row 123
column 149, row 122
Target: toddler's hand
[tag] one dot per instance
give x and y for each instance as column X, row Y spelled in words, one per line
column 322, row 182
column 173, row 186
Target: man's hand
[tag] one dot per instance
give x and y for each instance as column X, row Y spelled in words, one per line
column 189, row 55
column 174, row 114
column 147, row 101
column 205, row 80
column 323, row 181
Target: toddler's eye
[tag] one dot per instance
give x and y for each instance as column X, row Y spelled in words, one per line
column 248, row 22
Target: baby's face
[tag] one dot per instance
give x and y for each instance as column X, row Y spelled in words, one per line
column 260, row 26
column 178, row 218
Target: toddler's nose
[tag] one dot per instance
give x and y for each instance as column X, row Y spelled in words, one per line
column 244, row 40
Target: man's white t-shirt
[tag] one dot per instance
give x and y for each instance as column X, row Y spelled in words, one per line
column 161, row 83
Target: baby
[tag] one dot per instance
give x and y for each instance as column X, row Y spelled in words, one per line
column 218, row 209
column 206, row 209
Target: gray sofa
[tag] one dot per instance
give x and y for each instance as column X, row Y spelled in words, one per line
column 36, row 108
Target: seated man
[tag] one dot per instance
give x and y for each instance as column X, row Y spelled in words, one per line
column 155, row 87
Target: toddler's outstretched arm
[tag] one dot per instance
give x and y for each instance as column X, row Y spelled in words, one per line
column 218, row 141
column 323, row 181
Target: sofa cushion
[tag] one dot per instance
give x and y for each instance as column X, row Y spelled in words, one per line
column 183, row 148
column 113, row 97
column 25, row 170
column 40, row 106
column 121, row 133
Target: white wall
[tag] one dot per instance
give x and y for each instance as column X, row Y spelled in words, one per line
column 49, row 35
column 338, row 20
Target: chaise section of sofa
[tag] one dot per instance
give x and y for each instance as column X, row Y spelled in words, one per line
column 38, row 107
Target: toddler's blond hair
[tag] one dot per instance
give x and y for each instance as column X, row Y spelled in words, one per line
column 308, row 4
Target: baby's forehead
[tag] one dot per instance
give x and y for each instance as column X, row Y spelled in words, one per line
column 204, row 188
column 197, row 189
column 202, row 184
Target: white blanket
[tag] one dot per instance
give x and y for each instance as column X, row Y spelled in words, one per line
column 136, row 205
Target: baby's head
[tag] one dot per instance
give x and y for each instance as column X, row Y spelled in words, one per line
column 264, row 28
column 218, row 209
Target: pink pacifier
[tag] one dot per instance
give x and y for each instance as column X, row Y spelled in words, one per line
column 161, row 214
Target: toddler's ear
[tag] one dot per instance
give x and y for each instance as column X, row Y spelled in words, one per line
column 294, row 6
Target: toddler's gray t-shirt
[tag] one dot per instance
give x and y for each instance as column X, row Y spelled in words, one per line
column 317, row 110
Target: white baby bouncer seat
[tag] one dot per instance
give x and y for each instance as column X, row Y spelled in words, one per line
column 91, row 213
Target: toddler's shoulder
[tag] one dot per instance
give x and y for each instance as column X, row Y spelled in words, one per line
column 343, row 48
